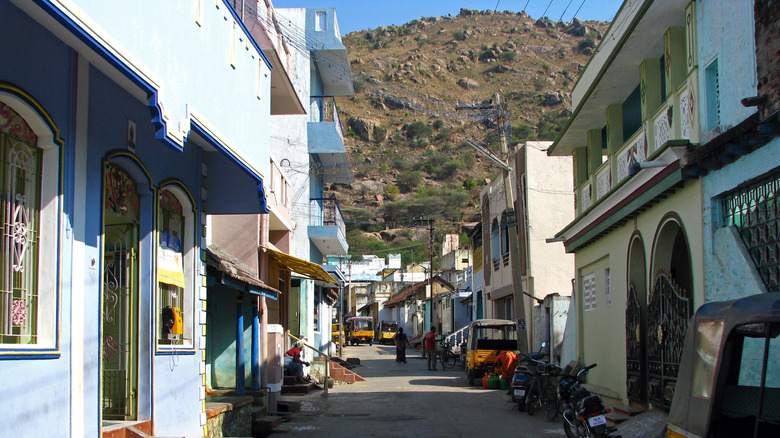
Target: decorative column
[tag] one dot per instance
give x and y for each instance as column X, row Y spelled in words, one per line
column 240, row 385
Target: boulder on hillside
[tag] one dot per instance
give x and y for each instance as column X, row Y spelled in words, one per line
column 468, row 83
column 363, row 127
column 576, row 28
column 552, row 99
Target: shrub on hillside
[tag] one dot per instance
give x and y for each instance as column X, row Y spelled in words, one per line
column 409, row 180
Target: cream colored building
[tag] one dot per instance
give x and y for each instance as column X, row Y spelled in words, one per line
column 546, row 204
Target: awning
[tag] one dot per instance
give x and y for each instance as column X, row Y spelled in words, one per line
column 301, row 267
column 232, row 273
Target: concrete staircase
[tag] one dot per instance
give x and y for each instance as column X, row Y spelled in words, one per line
column 341, row 370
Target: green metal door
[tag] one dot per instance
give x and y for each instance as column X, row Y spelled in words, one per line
column 119, row 343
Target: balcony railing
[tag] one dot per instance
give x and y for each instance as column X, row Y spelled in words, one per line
column 325, row 212
column 324, row 109
column 259, row 18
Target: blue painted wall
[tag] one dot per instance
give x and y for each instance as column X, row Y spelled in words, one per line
column 230, row 101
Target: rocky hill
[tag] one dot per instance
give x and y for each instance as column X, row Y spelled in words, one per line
column 405, row 136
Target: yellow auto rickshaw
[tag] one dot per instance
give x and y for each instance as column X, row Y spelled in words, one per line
column 386, row 332
column 335, row 334
column 487, row 338
column 360, row 329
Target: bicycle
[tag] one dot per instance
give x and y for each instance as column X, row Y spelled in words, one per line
column 447, row 357
column 544, row 391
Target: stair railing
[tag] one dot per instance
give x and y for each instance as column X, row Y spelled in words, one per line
column 327, row 359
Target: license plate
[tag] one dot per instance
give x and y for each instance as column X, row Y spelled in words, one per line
column 519, row 392
column 598, row 420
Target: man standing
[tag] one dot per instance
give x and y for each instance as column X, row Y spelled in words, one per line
column 430, row 348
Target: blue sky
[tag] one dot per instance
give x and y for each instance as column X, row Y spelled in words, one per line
column 369, row 14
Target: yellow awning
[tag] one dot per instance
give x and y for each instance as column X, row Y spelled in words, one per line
column 300, row 266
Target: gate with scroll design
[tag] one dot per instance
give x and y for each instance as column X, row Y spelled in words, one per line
column 668, row 313
column 636, row 362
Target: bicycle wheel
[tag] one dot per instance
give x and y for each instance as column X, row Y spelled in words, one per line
column 449, row 361
column 533, row 398
column 551, row 400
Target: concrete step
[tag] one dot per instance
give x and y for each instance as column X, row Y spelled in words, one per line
column 300, row 389
column 288, row 405
column 265, row 425
column 628, row 410
column 616, row 418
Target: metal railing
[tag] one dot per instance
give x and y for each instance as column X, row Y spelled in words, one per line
column 324, row 110
column 326, row 212
column 312, row 365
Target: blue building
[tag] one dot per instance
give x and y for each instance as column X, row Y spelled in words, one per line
column 122, row 126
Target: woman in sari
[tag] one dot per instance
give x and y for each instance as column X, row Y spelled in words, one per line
column 401, row 341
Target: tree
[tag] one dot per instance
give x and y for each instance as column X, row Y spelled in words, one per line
column 409, row 180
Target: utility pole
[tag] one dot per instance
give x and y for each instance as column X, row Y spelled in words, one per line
column 518, row 294
column 430, row 251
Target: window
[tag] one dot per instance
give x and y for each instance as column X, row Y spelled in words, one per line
column 495, row 242
column 505, row 239
column 30, row 208
column 713, row 95
column 175, row 292
column 321, row 20
column 21, row 161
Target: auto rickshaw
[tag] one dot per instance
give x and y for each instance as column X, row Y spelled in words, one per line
column 728, row 384
column 386, row 332
column 360, row 329
column 487, row 339
column 334, row 333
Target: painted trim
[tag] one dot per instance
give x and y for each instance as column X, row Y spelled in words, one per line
column 649, row 191
column 43, row 116
column 635, row 239
column 103, row 49
column 163, row 349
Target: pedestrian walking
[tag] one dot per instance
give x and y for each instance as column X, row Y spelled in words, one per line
column 401, row 341
column 430, row 348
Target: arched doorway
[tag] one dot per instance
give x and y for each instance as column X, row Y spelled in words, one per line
column 669, row 309
column 119, row 343
column 636, row 322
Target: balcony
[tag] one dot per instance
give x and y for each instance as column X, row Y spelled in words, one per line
column 326, row 226
column 261, row 22
column 326, row 140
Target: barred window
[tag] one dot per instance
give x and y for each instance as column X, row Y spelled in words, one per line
column 175, row 295
column 754, row 210
column 19, row 207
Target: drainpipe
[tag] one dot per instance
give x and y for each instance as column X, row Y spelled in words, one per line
column 262, row 270
column 636, row 167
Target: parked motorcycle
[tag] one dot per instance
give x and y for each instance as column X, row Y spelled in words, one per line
column 583, row 413
column 521, row 381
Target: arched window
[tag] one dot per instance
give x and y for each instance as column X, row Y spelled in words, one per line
column 30, row 218
column 175, row 291
column 20, row 186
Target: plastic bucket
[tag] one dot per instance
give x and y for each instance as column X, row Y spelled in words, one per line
column 504, row 383
column 485, row 381
column 492, row 382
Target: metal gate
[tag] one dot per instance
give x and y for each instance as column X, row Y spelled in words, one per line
column 667, row 320
column 636, row 363
column 120, row 323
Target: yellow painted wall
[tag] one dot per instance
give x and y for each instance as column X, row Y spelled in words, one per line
column 601, row 331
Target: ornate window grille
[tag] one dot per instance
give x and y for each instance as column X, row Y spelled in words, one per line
column 20, row 186
column 754, row 210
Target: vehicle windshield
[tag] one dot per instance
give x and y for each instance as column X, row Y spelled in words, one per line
column 362, row 324
column 499, row 332
column 391, row 327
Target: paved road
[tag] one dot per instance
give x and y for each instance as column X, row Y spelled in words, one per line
column 404, row 400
